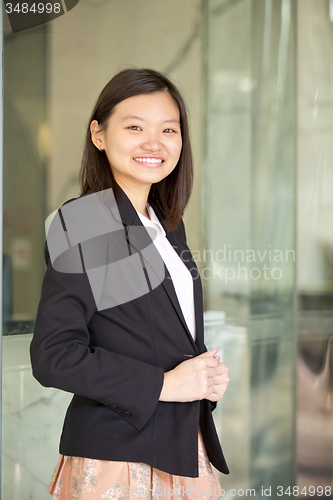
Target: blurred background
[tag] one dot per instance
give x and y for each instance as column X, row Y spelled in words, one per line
column 257, row 78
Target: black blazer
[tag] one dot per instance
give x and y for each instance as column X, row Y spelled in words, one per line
column 113, row 361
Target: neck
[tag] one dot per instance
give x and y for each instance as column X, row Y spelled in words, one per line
column 138, row 195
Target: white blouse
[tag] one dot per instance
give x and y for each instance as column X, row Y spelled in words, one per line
column 181, row 277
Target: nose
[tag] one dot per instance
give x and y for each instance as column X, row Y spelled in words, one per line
column 152, row 143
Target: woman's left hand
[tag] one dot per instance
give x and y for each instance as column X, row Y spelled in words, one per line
column 221, row 381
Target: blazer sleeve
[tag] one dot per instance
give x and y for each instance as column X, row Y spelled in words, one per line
column 61, row 356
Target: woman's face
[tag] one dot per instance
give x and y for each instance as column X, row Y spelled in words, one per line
column 143, row 139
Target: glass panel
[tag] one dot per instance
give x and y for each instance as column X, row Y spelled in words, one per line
column 250, row 235
column 315, row 244
column 1, row 203
column 25, row 163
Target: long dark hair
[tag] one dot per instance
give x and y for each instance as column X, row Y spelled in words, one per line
column 173, row 192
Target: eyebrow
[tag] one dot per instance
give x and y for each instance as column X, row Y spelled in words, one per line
column 138, row 118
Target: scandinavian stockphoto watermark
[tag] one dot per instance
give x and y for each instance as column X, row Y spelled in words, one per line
column 228, row 263
column 122, row 262
column 29, row 14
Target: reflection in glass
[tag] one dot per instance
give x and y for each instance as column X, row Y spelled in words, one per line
column 24, row 166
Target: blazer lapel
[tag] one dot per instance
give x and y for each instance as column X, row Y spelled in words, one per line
column 179, row 246
column 129, row 217
column 169, row 288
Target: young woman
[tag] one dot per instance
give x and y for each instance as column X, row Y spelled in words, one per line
column 140, row 421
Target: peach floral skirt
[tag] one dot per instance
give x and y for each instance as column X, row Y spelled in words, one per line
column 87, row 479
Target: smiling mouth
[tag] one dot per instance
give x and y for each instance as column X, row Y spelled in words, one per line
column 149, row 161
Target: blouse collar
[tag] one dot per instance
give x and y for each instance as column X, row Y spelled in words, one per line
column 153, row 222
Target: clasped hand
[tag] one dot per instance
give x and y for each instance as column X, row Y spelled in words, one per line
column 202, row 377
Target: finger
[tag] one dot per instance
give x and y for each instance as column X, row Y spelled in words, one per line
column 212, row 372
column 221, row 372
column 211, row 361
column 218, row 392
column 212, row 352
column 221, row 380
column 213, row 397
column 222, row 368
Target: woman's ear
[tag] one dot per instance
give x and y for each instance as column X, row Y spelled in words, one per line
column 97, row 135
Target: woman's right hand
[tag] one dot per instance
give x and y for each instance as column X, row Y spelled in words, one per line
column 192, row 379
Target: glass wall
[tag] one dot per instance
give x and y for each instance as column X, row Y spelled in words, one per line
column 250, row 219
column 257, row 80
column 25, row 165
column 315, row 243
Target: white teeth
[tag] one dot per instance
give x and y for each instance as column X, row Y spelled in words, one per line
column 149, row 160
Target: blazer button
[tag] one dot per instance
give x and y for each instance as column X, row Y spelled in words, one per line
column 126, row 413
column 113, row 407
